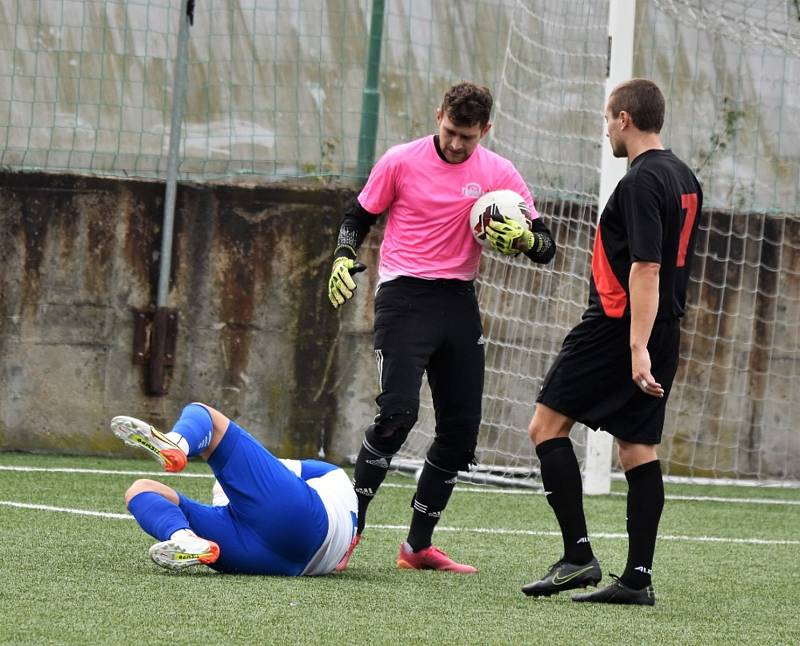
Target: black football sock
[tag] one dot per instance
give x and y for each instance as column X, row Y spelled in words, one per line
column 370, row 472
column 645, row 503
column 561, row 478
column 433, row 491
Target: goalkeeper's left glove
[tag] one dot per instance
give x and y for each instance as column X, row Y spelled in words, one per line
column 508, row 236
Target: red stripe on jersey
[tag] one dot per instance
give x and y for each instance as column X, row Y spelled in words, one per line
column 688, row 202
column 612, row 295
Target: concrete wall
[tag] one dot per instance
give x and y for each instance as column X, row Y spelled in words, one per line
column 257, row 336
column 258, row 339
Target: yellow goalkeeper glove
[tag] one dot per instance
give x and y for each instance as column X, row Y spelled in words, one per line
column 341, row 284
column 508, row 236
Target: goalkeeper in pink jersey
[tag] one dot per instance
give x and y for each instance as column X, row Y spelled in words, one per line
column 426, row 313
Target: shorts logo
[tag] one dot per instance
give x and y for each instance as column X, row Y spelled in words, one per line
column 481, row 340
column 473, row 189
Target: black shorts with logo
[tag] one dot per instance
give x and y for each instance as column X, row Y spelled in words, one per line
column 590, row 380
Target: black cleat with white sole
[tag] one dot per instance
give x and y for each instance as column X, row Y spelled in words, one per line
column 618, row 592
column 565, row 576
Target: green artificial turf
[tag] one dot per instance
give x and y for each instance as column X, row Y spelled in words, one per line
column 722, row 575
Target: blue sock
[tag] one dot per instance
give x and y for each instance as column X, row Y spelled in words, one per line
column 195, row 426
column 156, row 515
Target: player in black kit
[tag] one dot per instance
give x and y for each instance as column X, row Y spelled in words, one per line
column 616, row 367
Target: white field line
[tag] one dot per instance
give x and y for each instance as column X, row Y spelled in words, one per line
column 391, row 485
column 466, row 530
column 66, row 510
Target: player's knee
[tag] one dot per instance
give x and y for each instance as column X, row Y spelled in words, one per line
column 139, row 486
column 392, row 424
column 548, row 424
column 454, row 451
column 632, row 455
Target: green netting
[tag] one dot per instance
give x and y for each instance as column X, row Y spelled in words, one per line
column 274, row 87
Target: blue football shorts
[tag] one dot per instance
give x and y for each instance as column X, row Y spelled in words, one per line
column 276, row 522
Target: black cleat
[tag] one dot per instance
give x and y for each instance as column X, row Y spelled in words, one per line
column 618, row 592
column 565, row 576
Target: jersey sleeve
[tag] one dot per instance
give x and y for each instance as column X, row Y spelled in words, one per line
column 379, row 191
column 641, row 205
column 515, row 182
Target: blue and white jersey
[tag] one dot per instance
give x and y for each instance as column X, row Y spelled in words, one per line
column 336, row 491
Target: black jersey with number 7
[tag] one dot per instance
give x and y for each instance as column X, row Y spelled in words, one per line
column 652, row 216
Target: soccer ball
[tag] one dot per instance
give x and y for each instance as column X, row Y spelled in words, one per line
column 507, row 203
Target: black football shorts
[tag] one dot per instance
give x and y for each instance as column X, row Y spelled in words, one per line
column 590, row 380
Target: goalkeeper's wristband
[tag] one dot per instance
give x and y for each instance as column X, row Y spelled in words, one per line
column 525, row 242
column 344, row 251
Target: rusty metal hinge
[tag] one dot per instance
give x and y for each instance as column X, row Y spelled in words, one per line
column 155, row 334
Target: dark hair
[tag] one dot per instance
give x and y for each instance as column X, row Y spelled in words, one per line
column 641, row 99
column 466, row 104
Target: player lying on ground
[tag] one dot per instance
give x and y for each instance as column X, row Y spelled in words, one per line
column 285, row 517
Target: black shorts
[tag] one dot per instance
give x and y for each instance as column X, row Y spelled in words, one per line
column 590, row 380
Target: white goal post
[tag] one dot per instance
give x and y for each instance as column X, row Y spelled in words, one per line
column 621, row 25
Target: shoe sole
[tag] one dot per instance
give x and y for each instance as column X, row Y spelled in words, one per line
column 341, row 566
column 405, row 565
column 550, row 593
column 170, row 555
column 135, row 432
column 627, row 602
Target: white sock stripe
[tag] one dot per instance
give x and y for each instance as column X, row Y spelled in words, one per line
column 374, row 451
column 420, row 507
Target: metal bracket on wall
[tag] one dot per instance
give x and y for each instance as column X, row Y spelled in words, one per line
column 155, row 332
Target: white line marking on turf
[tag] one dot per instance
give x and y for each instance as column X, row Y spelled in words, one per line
column 470, row 530
column 391, row 485
column 667, row 537
column 105, row 472
column 527, row 492
column 67, row 510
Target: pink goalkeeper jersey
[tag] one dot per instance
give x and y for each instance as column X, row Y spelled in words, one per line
column 427, row 232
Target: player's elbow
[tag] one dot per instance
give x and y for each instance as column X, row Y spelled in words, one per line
column 646, row 268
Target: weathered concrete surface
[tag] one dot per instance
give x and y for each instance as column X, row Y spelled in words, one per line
column 257, row 336
column 259, row 340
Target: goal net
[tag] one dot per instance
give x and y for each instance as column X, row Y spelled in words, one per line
column 730, row 71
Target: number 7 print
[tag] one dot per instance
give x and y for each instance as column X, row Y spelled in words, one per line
column 689, row 204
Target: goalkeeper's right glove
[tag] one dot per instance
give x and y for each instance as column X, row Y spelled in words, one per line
column 341, row 284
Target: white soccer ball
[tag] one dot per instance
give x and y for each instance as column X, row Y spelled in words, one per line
column 509, row 204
